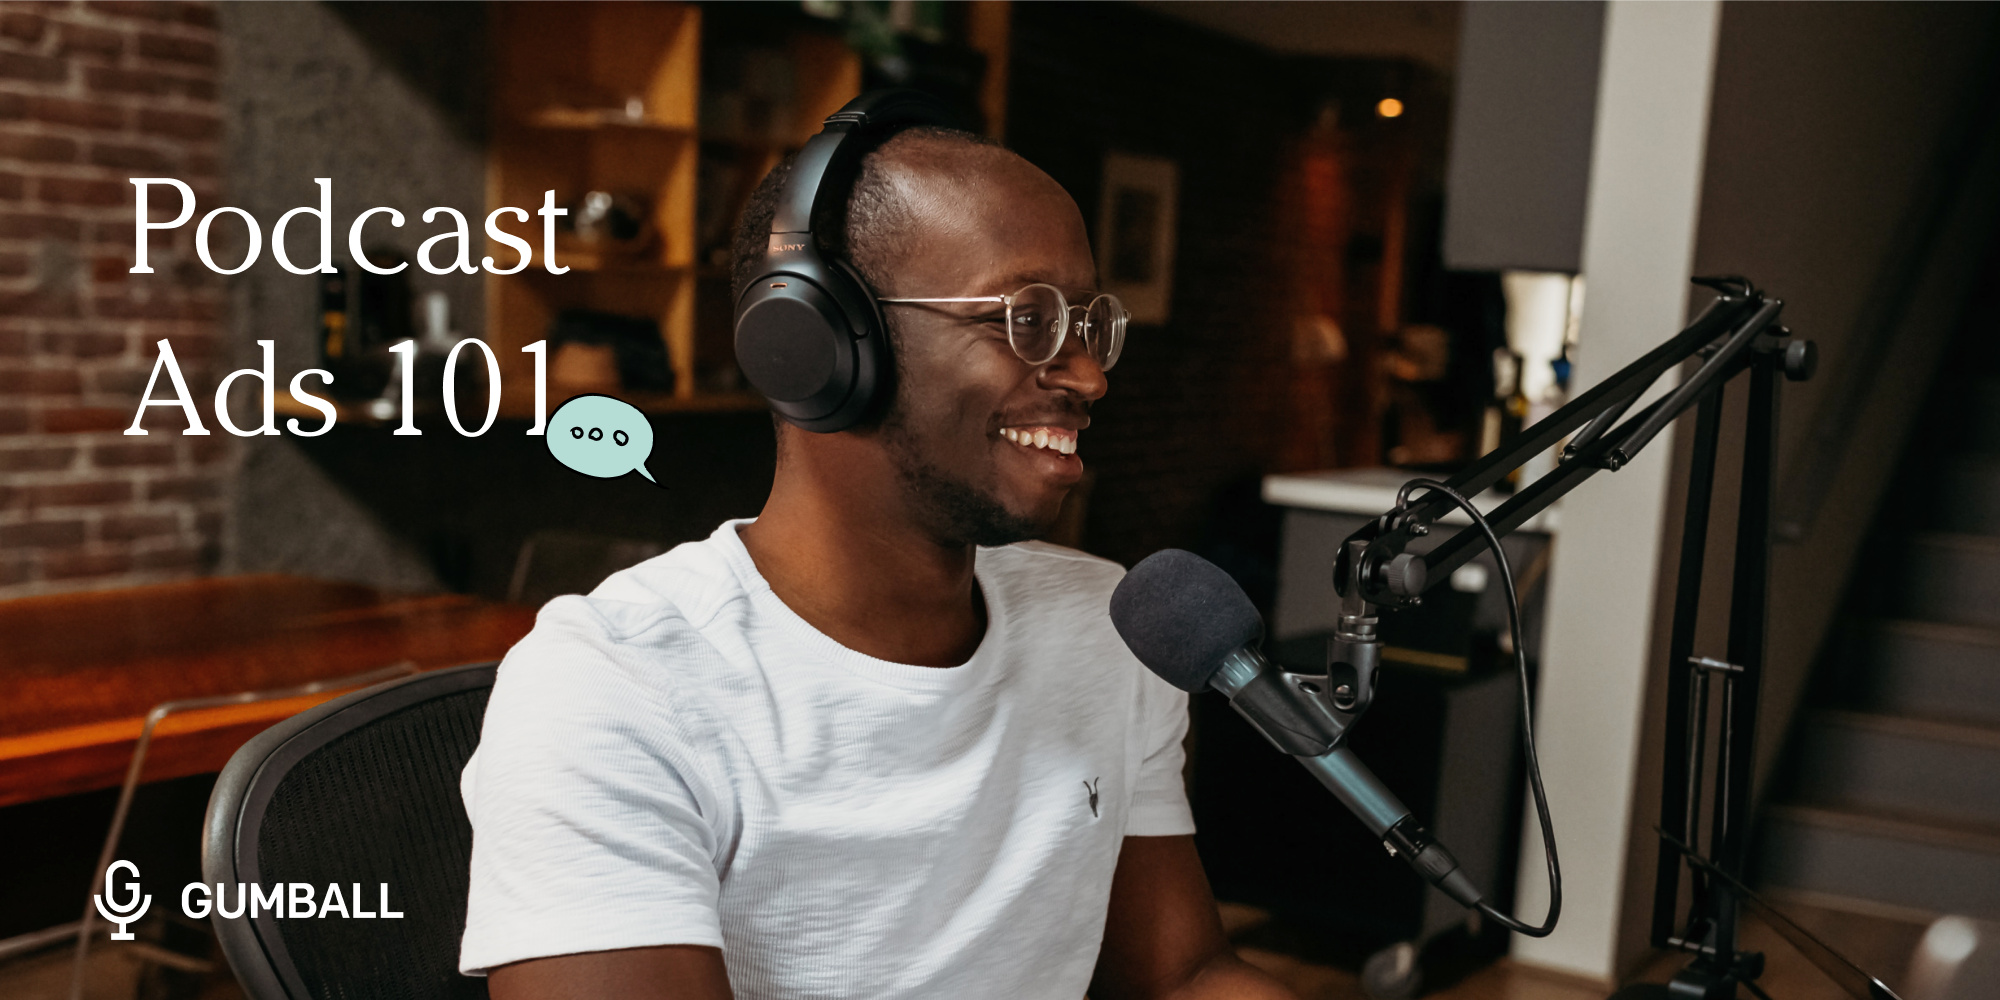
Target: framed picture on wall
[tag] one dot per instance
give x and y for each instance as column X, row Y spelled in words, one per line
column 1135, row 232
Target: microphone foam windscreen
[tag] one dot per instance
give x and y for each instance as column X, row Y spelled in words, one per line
column 1181, row 614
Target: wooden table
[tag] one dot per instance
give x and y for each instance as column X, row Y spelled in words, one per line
column 79, row 672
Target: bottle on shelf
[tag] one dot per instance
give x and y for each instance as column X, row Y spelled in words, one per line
column 333, row 339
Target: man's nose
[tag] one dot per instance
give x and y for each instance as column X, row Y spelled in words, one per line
column 1075, row 370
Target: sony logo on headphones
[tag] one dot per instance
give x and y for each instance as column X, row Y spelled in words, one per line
column 781, row 247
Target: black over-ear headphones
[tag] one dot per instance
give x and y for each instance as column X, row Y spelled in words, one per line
column 809, row 333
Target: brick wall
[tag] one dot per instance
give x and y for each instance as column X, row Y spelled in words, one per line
column 90, row 95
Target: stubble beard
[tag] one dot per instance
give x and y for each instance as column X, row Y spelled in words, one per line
column 953, row 510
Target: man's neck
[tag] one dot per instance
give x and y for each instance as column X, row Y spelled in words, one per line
column 857, row 567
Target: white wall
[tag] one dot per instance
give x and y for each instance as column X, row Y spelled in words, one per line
column 1639, row 227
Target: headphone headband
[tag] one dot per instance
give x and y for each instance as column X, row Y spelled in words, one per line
column 872, row 112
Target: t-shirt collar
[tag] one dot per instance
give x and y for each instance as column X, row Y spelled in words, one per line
column 901, row 675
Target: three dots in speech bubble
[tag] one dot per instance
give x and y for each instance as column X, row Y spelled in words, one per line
column 601, row 436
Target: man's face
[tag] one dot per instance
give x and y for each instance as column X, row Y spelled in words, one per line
column 977, row 434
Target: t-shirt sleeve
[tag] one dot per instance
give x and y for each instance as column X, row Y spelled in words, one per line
column 592, row 829
column 1159, row 799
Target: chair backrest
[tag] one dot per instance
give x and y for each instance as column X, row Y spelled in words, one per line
column 355, row 793
column 552, row 563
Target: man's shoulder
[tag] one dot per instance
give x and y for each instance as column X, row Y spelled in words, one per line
column 693, row 579
column 643, row 623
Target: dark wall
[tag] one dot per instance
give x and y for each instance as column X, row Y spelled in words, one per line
column 1198, row 403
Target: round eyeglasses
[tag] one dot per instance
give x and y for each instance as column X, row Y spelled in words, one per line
column 1039, row 318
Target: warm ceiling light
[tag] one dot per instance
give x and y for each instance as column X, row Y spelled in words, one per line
column 1389, row 107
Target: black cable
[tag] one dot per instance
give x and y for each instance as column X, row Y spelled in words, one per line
column 1527, row 712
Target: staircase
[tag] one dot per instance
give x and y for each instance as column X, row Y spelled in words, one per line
column 1893, row 794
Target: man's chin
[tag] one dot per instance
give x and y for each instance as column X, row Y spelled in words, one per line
column 992, row 535
column 1044, row 518
column 997, row 528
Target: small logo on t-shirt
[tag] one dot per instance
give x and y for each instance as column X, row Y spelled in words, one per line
column 1091, row 787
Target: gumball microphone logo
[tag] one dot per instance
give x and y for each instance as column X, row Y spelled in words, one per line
column 126, row 912
column 601, row 436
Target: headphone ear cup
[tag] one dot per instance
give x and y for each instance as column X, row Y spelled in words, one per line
column 816, row 352
column 809, row 333
column 790, row 343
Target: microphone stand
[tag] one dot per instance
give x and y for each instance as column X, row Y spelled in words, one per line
column 1737, row 333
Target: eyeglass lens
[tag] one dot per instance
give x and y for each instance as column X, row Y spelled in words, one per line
column 1037, row 314
column 1104, row 329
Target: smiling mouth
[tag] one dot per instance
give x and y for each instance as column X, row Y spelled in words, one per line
column 1060, row 440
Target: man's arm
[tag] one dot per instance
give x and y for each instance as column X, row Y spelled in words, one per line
column 671, row 972
column 1163, row 937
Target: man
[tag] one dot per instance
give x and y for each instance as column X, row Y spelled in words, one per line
column 871, row 744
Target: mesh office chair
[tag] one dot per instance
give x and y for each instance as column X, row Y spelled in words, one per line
column 362, row 789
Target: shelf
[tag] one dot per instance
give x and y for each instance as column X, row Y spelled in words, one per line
column 744, row 144
column 704, row 402
column 1370, row 491
column 600, row 262
column 580, row 119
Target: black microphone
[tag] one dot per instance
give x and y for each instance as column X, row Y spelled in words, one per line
column 1188, row 622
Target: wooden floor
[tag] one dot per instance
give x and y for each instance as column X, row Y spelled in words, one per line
column 1880, row 945
column 113, row 974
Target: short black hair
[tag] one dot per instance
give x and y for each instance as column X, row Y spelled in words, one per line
column 869, row 217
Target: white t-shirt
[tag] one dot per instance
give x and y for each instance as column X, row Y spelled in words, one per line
column 680, row 759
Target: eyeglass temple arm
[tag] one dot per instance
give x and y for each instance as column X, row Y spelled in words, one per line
column 981, row 298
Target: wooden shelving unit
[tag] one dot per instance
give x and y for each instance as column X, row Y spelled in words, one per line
column 606, row 96
column 603, row 96
column 594, row 97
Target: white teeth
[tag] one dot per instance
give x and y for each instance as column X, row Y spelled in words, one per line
column 1056, row 440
